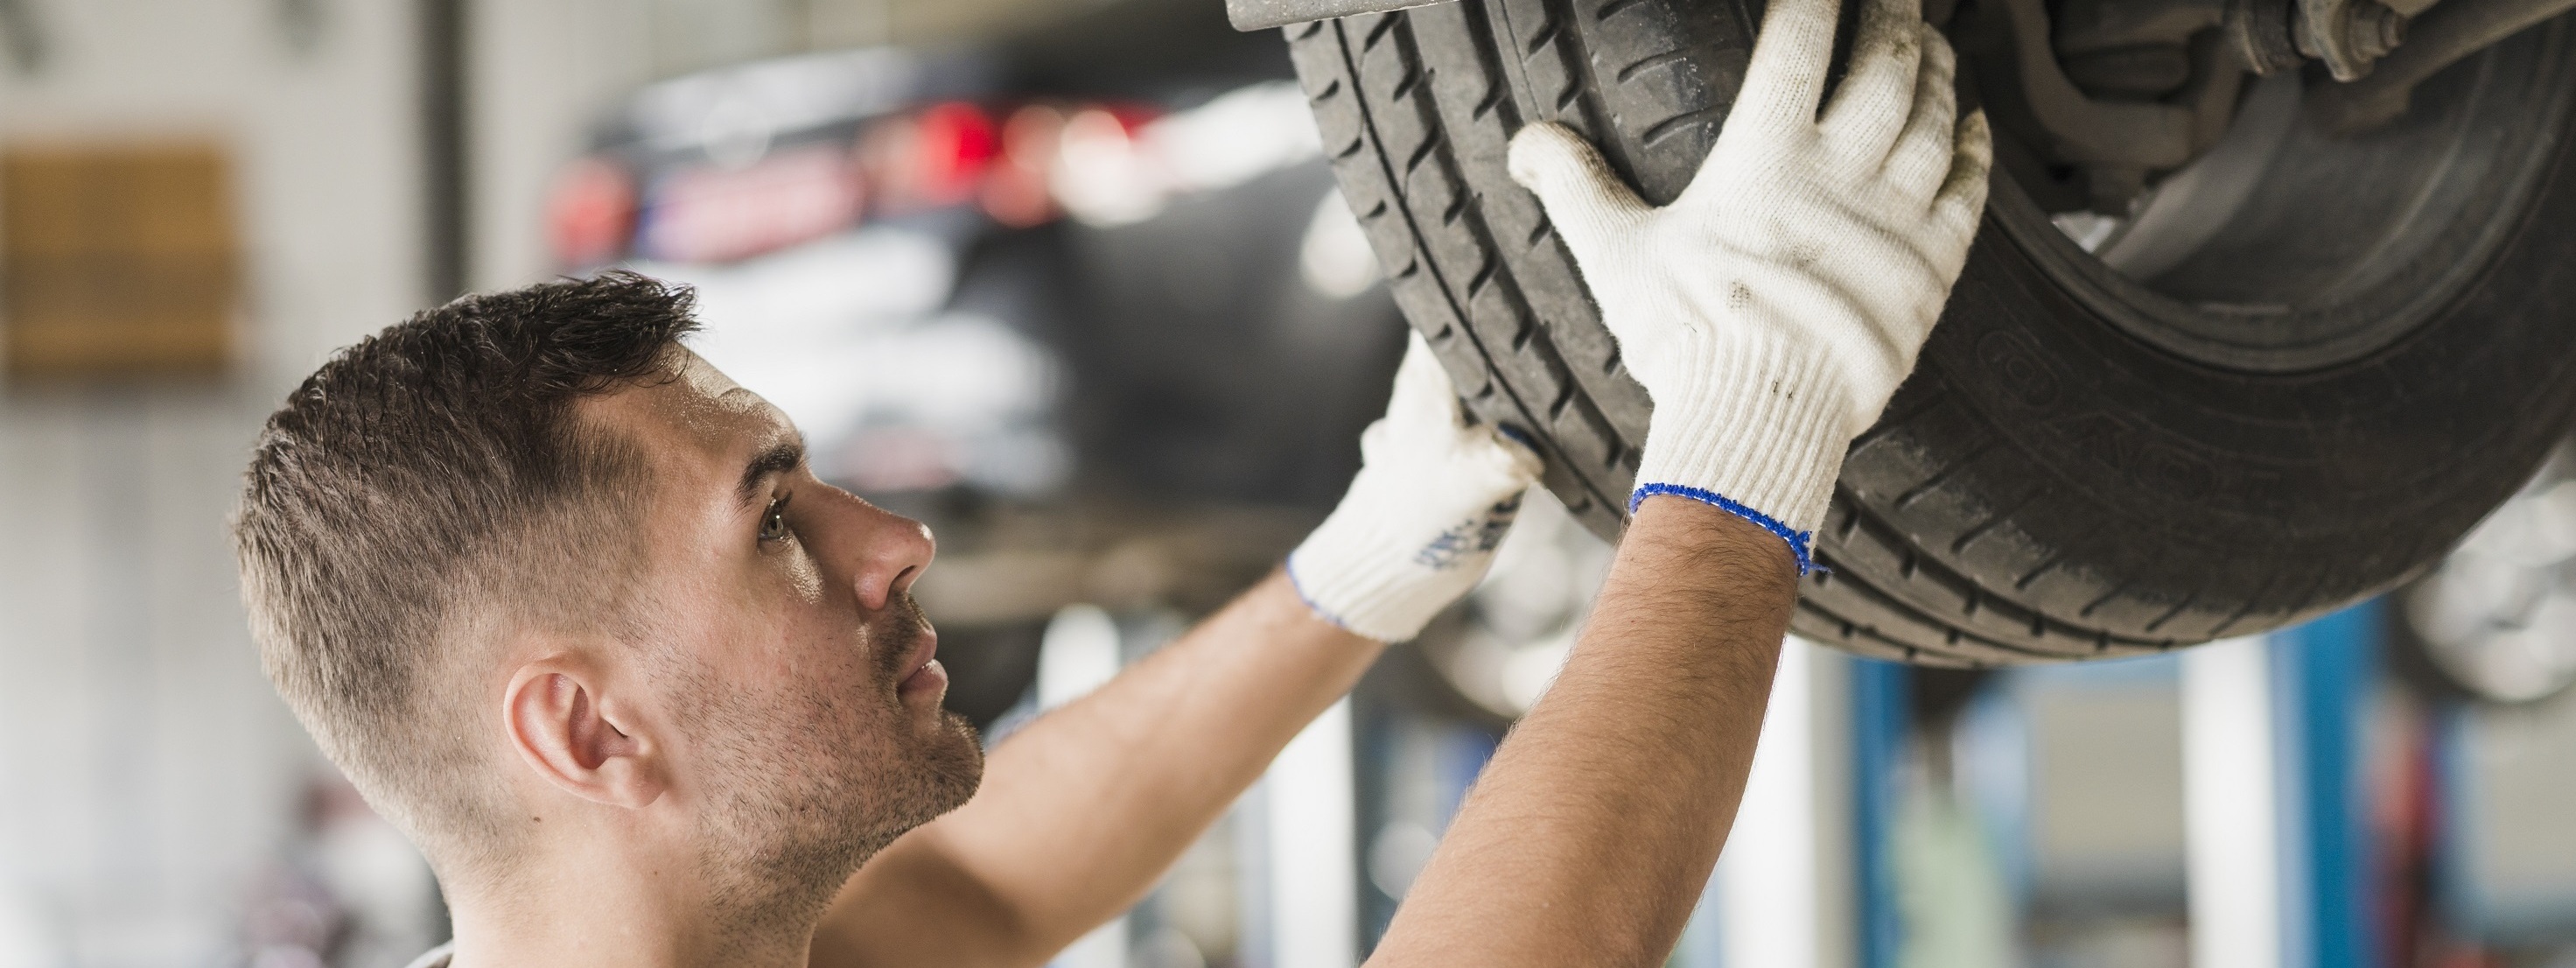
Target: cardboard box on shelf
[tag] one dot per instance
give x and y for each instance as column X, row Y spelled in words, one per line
column 117, row 260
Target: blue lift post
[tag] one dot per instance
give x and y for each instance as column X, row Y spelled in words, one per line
column 1881, row 721
column 2324, row 675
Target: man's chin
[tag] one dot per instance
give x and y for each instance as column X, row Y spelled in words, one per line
column 956, row 760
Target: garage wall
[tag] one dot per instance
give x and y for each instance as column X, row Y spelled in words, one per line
column 149, row 780
column 540, row 71
column 321, row 140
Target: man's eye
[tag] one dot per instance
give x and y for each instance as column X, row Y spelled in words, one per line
column 773, row 522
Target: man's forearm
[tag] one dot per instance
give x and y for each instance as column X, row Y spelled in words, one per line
column 1591, row 833
column 1082, row 811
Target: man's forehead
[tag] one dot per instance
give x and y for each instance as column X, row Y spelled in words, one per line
column 699, row 423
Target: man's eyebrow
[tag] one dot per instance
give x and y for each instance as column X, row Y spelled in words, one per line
column 777, row 458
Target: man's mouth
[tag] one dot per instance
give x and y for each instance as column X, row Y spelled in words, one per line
column 921, row 670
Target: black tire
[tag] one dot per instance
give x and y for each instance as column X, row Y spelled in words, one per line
column 2050, row 484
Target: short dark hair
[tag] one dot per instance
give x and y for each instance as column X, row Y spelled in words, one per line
column 434, row 476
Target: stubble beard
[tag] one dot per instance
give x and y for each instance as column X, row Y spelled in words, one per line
column 809, row 783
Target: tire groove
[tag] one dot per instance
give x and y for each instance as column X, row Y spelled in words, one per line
column 1546, row 35
column 1611, row 8
column 1404, row 85
column 1649, row 62
column 1479, row 19
column 1887, row 425
column 1421, row 154
column 1377, row 32
column 2105, row 599
column 2270, row 578
column 1992, row 521
column 1668, row 126
column 2045, row 566
column 2176, row 611
column 1483, row 276
column 1942, row 476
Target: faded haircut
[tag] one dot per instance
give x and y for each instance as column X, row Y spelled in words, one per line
column 425, row 487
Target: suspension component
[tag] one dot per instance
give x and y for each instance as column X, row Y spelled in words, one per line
column 2350, row 36
column 2259, row 32
column 2455, row 30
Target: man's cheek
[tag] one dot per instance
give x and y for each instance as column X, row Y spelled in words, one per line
column 822, row 653
column 807, row 578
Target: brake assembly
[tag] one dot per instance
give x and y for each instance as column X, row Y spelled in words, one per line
column 2107, row 96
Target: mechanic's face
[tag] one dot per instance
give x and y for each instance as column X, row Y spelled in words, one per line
column 795, row 668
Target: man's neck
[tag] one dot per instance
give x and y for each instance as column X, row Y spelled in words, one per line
column 608, row 908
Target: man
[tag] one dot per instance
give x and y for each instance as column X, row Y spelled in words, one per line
column 569, row 607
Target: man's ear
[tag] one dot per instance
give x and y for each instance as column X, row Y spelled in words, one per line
column 578, row 737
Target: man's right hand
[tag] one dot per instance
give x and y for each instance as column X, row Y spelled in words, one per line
column 1419, row 526
column 1771, row 310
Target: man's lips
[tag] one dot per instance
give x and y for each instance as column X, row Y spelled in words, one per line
column 922, row 671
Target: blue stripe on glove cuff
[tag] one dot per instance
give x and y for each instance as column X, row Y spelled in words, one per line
column 1797, row 539
column 1290, row 566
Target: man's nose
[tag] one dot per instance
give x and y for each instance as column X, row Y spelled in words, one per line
column 888, row 553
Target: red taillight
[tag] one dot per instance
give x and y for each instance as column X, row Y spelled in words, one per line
column 933, row 157
column 953, row 145
column 1016, row 192
column 590, row 213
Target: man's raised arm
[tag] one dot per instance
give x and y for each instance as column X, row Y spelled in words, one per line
column 1770, row 312
column 1082, row 811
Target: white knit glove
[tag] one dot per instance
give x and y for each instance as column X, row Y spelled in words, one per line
column 1771, row 309
column 1418, row 527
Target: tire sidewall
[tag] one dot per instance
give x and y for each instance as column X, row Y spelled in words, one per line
column 2364, row 468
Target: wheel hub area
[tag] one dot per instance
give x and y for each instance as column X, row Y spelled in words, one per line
column 2237, row 218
